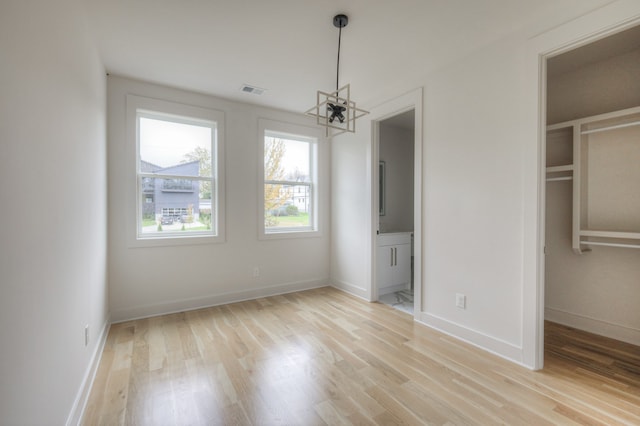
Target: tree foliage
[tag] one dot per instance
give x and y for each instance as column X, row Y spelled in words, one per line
column 275, row 195
column 203, row 156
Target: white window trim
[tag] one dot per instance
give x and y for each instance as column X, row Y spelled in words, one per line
column 314, row 136
column 136, row 103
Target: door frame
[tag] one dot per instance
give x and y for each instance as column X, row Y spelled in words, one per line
column 409, row 101
column 587, row 29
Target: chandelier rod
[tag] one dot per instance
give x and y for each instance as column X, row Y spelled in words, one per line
column 338, row 62
column 339, row 21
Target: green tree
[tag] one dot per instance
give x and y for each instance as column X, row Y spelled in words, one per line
column 203, row 156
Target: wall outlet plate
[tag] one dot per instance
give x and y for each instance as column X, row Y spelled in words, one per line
column 461, row 301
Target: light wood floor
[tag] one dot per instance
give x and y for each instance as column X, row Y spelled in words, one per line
column 324, row 357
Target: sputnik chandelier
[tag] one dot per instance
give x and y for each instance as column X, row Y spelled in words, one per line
column 335, row 110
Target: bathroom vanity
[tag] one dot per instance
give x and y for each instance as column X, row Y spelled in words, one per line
column 394, row 262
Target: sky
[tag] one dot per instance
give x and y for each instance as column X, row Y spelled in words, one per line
column 165, row 143
column 296, row 155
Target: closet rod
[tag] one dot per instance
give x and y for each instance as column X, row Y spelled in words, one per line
column 559, row 178
column 595, row 243
column 604, row 129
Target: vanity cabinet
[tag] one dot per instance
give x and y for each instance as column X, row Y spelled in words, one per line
column 394, row 262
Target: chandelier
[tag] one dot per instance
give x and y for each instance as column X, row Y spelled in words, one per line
column 335, row 111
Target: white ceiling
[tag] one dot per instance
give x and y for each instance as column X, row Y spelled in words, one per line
column 289, row 47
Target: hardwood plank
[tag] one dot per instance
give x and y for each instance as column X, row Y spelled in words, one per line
column 324, row 357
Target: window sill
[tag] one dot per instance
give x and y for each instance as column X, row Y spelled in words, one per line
column 174, row 240
column 287, row 234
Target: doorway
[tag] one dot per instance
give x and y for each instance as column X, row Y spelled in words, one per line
column 395, row 213
column 396, row 210
column 589, row 272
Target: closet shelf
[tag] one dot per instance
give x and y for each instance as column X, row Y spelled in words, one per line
column 595, row 118
column 610, row 234
column 604, row 129
column 602, row 243
column 551, row 170
column 560, row 126
column 599, row 146
column 565, row 168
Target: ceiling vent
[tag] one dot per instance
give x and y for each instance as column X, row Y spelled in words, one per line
column 247, row 88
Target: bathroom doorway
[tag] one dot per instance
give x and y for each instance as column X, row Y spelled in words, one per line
column 395, row 260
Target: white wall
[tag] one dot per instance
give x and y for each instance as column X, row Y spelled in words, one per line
column 153, row 280
column 396, row 150
column 597, row 291
column 350, row 206
column 53, row 233
column 473, row 204
column 481, row 189
column 600, row 87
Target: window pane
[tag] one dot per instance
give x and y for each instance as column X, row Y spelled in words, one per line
column 174, row 148
column 286, row 159
column 174, row 205
column 286, row 206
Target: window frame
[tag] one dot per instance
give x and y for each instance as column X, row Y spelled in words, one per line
column 310, row 135
column 137, row 107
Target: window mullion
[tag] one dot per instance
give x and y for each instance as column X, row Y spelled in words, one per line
column 286, row 182
column 185, row 177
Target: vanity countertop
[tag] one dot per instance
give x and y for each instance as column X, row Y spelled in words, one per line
column 396, row 233
column 393, row 238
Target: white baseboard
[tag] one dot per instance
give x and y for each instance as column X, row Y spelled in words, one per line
column 593, row 325
column 146, row 311
column 485, row 342
column 80, row 403
column 393, row 289
column 350, row 288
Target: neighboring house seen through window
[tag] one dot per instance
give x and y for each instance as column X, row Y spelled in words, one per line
column 177, row 182
column 290, row 163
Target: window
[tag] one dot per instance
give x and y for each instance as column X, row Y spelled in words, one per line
column 178, row 170
column 288, row 180
column 175, row 185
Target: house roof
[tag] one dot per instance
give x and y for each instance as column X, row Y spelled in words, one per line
column 190, row 168
column 147, row 167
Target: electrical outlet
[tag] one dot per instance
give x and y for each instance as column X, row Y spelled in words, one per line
column 461, row 301
column 256, row 272
column 86, row 334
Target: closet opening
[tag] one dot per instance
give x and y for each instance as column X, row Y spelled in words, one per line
column 592, row 209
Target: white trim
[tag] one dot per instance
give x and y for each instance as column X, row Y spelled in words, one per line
column 594, row 325
column 189, row 113
column 351, row 289
column 80, row 403
column 182, row 177
column 190, row 304
column 483, row 341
